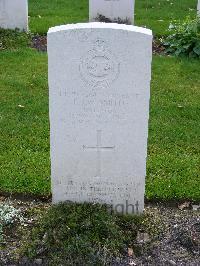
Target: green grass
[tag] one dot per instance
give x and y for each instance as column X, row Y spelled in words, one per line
column 24, row 139
column 157, row 14
column 154, row 14
column 45, row 14
column 174, row 134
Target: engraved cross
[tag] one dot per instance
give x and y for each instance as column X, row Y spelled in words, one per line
column 99, row 148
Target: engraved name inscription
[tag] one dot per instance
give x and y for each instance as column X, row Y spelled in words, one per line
column 95, row 107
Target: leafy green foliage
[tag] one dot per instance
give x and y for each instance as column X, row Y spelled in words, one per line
column 81, row 234
column 13, row 39
column 184, row 38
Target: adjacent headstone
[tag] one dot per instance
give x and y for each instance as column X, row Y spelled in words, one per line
column 119, row 11
column 99, row 88
column 14, row 14
column 198, row 8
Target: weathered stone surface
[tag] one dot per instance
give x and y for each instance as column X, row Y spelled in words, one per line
column 121, row 11
column 99, row 88
column 14, row 14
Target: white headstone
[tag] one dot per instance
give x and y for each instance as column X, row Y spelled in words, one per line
column 114, row 10
column 99, row 85
column 14, row 14
column 198, row 8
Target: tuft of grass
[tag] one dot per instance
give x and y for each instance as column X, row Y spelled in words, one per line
column 13, row 40
column 81, row 234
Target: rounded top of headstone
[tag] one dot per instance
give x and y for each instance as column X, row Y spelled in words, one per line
column 100, row 25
